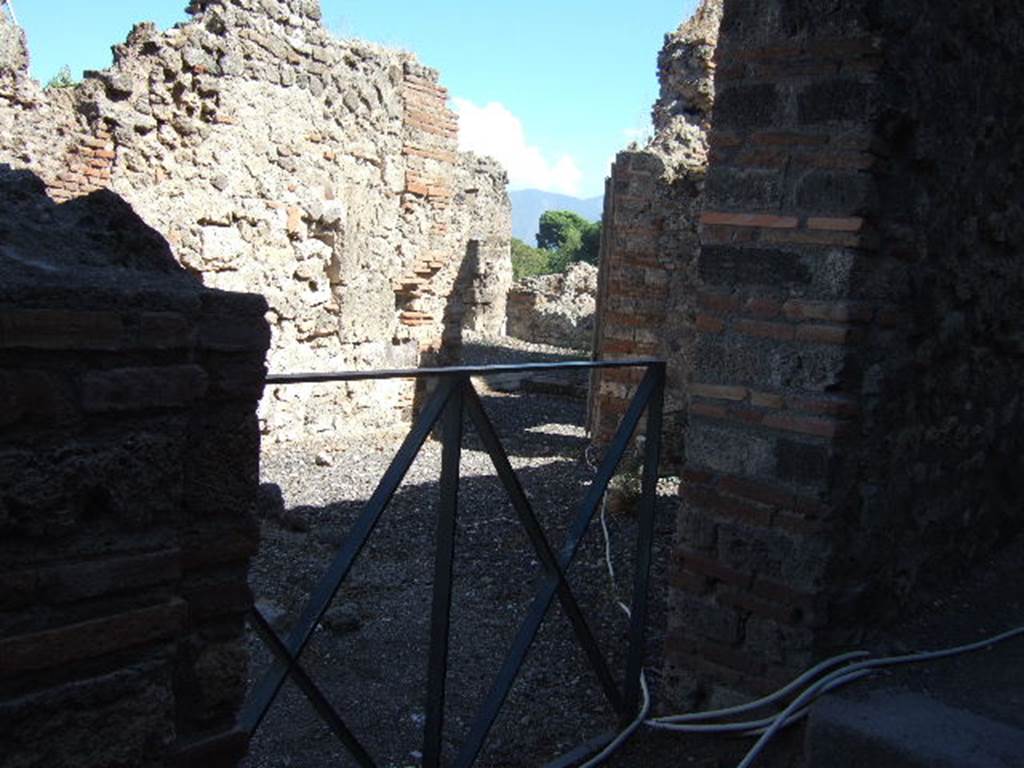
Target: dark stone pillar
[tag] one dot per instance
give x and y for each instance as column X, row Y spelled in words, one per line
column 128, row 475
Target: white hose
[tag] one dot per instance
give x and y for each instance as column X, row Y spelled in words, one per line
column 619, row 740
column 716, row 714
column 848, row 674
column 797, row 709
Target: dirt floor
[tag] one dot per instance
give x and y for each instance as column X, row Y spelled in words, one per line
column 369, row 654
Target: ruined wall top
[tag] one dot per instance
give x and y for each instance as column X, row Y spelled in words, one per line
column 15, row 84
column 13, row 49
column 291, row 12
column 273, row 157
column 686, row 70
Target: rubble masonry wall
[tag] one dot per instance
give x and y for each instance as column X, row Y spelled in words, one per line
column 646, row 300
column 277, row 159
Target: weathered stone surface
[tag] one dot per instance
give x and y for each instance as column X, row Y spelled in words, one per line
column 142, row 388
column 854, row 416
column 555, row 309
column 123, row 718
column 323, row 174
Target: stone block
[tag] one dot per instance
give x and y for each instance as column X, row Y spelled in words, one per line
column 17, row 590
column 222, row 468
column 740, row 360
column 123, row 718
column 801, row 462
column 219, row 674
column 835, row 100
column 744, row 189
column 165, row 330
column 60, row 329
column 217, row 542
column 729, row 266
column 125, row 483
column 216, row 596
column 834, row 193
column 233, row 377
column 33, row 396
column 133, row 389
column 728, row 449
column 703, row 617
column 745, row 107
column 695, row 529
column 799, row 563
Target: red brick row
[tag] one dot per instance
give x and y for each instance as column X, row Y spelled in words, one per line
column 785, row 421
column 90, row 639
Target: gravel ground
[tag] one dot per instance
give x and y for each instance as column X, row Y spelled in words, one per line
column 369, row 654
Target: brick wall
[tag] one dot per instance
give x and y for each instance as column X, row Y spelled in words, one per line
column 457, row 261
column 430, row 150
column 823, row 482
column 632, row 289
column 86, row 168
column 129, row 463
column 646, row 303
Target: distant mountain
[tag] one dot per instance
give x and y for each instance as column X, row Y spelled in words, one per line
column 529, row 204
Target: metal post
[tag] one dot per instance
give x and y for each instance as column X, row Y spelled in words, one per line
column 648, row 499
column 266, row 689
column 444, row 556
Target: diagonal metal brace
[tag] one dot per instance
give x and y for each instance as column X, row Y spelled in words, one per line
column 529, row 521
column 542, row 601
column 267, row 688
column 309, row 688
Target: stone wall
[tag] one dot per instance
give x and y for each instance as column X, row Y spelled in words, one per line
column 647, row 285
column 555, row 309
column 855, row 418
column 128, row 475
column 321, row 173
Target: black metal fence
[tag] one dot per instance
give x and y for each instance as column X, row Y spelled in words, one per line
column 454, row 397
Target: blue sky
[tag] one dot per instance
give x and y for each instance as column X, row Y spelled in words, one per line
column 552, row 88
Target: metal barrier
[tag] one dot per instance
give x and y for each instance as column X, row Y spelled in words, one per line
column 454, row 396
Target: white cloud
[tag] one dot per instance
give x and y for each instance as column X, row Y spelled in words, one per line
column 493, row 130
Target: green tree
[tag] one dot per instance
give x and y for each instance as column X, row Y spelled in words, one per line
column 568, row 237
column 527, row 261
column 590, row 250
column 63, row 79
column 555, row 227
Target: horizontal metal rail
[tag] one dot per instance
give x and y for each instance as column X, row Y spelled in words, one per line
column 454, row 401
column 456, row 371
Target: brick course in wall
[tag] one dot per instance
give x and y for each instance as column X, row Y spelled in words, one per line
column 647, row 281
